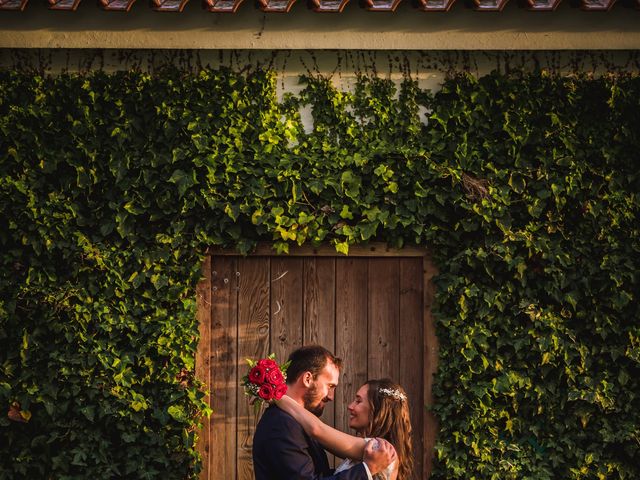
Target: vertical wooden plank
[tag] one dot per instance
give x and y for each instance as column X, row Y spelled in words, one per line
column 430, row 363
column 411, row 351
column 286, row 305
column 319, row 308
column 253, row 342
column 224, row 368
column 203, row 359
column 320, row 302
column 351, row 332
column 384, row 326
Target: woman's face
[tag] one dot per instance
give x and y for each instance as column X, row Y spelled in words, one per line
column 359, row 410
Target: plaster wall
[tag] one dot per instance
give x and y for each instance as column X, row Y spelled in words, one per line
column 515, row 28
column 428, row 68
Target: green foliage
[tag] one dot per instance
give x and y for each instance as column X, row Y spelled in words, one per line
column 525, row 187
column 538, row 299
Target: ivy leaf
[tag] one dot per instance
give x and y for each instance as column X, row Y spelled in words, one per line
column 177, row 413
column 368, row 230
column 232, row 210
column 350, row 184
column 345, row 212
column 183, row 180
column 342, row 247
column 124, row 224
column 89, row 412
column 106, row 228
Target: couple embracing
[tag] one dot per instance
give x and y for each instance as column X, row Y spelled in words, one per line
column 290, row 440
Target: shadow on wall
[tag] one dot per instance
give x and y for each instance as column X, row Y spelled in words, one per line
column 428, row 68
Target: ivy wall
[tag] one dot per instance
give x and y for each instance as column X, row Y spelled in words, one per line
column 526, row 188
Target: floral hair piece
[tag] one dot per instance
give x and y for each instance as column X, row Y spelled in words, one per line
column 392, row 392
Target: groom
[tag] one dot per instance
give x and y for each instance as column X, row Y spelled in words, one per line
column 281, row 448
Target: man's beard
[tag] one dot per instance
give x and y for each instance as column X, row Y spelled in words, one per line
column 309, row 398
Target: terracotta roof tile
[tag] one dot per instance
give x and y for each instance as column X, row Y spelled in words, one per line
column 276, row 6
column 117, row 5
column 490, row 5
column 382, row 5
column 331, row 6
column 598, row 4
column 223, row 6
column 64, row 4
column 436, row 5
column 13, row 4
column 169, row 5
column 543, row 5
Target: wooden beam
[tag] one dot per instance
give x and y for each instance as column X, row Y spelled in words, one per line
column 383, row 318
column 411, row 350
column 351, row 327
column 253, row 342
column 430, row 365
column 224, row 367
column 377, row 249
column 203, row 360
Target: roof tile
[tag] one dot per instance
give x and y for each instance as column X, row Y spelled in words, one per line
column 117, row 5
column 595, row 5
column 329, row 6
column 543, row 5
column 223, row 6
column 276, row 6
column 334, row 6
column 382, row 5
column 70, row 5
column 490, row 5
column 169, row 5
column 435, row 5
column 13, row 4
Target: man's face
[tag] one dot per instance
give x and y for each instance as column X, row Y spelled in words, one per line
column 322, row 389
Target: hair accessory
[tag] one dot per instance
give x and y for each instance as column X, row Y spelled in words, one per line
column 392, row 392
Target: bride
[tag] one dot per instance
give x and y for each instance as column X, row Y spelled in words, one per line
column 381, row 410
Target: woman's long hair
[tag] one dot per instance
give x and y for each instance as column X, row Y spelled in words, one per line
column 389, row 419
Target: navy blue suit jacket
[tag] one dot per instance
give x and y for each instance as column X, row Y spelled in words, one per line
column 283, row 451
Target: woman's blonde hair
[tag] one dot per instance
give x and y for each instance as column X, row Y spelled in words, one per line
column 389, row 419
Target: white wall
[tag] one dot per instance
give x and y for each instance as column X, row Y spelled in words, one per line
column 462, row 28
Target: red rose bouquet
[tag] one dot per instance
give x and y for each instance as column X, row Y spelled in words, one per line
column 266, row 380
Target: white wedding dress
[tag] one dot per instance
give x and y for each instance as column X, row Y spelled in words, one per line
column 384, row 475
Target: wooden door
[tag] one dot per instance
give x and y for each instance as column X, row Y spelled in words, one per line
column 371, row 310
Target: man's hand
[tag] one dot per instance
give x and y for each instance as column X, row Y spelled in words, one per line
column 378, row 454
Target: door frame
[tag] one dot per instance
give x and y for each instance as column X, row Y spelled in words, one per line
column 430, row 341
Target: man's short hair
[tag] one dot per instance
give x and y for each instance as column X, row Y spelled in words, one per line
column 310, row 358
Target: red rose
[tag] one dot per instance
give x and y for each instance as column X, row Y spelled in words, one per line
column 280, row 391
column 267, row 363
column 266, row 392
column 257, row 374
column 275, row 377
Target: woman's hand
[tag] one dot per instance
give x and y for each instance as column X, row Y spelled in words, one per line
column 378, row 455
